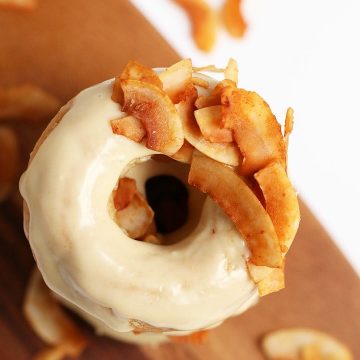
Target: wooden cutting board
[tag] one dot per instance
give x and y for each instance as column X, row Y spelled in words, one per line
column 65, row 46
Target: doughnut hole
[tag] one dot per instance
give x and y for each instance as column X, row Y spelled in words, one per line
column 176, row 204
column 168, row 197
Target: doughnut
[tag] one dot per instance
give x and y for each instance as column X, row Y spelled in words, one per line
column 103, row 148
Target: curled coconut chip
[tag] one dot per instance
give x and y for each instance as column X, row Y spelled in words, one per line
column 267, row 279
column 158, row 114
column 209, row 121
column 135, row 71
column 200, row 82
column 176, row 78
column 226, row 153
column 27, row 102
column 233, row 18
column 303, row 344
column 50, row 322
column 129, row 126
column 203, row 21
column 255, row 128
column 185, row 153
column 19, row 4
column 281, row 202
column 214, row 98
column 133, row 213
column 231, row 71
column 208, row 68
column 227, row 127
column 289, row 125
column 9, row 161
column 237, row 200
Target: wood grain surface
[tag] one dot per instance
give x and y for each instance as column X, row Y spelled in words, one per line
column 65, row 46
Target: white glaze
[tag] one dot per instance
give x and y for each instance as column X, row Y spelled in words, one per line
column 86, row 259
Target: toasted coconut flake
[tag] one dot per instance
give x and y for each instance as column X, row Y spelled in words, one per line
column 311, row 352
column 124, row 193
column 256, row 130
column 50, row 322
column 233, row 18
column 136, row 218
column 215, row 97
column 117, row 93
column 27, row 102
column 208, row 68
column 176, row 78
column 140, row 327
column 198, row 337
column 258, row 273
column 268, row 280
column 289, row 125
column 152, row 239
column 237, row 200
column 226, row 153
column 185, row 153
column 200, row 82
column 300, row 343
column 209, row 121
column 281, row 202
column 9, row 161
column 232, row 71
column 203, row 21
column 204, row 101
column 19, row 4
column 129, row 126
column 272, row 283
column 157, row 113
column 134, row 71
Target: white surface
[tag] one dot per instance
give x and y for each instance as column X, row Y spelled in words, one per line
column 304, row 54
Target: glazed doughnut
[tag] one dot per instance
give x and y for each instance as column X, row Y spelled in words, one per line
column 118, row 283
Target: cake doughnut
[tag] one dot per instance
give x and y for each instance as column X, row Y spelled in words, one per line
column 141, row 125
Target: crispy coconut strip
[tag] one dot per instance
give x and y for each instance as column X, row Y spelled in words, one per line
column 209, row 121
column 134, row 71
column 19, row 4
column 256, row 130
column 50, row 322
column 129, row 126
column 200, row 82
column 281, row 202
column 9, row 161
column 124, row 193
column 237, row 200
column 289, row 125
column 215, row 97
column 27, row 102
column 157, row 113
column 203, row 21
column 232, row 71
column 204, row 101
column 300, row 343
column 226, row 153
column 267, row 280
column 140, row 327
column 136, row 217
column 198, row 337
column 208, row 68
column 233, row 18
column 185, row 153
column 176, row 78
column 152, row 239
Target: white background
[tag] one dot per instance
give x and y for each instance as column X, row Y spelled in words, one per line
column 306, row 54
